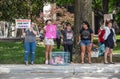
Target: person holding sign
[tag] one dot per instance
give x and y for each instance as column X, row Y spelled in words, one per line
column 29, row 43
column 110, row 41
column 50, row 35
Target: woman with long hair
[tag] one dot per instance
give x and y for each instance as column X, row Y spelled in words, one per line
column 30, row 43
column 85, row 40
column 110, row 41
column 50, row 35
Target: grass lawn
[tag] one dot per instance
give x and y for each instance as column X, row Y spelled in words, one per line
column 117, row 49
column 13, row 52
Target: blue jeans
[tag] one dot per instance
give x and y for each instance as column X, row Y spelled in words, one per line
column 85, row 43
column 29, row 47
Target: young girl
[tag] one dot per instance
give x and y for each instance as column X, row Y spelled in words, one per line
column 50, row 35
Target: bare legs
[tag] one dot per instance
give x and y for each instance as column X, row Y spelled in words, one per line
column 111, row 50
column 82, row 53
column 88, row 48
column 105, row 55
column 108, row 50
column 48, row 52
column 89, row 53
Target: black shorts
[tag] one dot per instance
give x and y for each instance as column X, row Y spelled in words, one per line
column 109, row 44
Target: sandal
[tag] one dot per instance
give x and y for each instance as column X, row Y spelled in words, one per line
column 106, row 63
column 112, row 63
column 82, row 62
column 90, row 63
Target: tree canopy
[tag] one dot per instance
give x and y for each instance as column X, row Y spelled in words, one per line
column 12, row 9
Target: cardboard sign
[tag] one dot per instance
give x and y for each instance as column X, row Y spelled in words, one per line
column 108, row 16
column 47, row 11
column 50, row 31
column 94, row 54
column 60, row 58
column 23, row 23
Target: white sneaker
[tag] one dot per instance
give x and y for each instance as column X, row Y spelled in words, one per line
column 32, row 62
column 26, row 63
column 46, row 62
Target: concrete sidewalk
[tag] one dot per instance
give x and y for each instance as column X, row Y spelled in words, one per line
column 71, row 68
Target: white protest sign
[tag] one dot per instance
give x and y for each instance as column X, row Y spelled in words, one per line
column 47, row 11
column 108, row 16
column 23, row 23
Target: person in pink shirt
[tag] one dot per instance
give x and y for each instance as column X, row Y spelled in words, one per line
column 50, row 35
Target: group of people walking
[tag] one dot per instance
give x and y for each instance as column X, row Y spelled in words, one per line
column 106, row 37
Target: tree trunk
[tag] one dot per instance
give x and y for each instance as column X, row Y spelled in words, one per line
column 105, row 6
column 83, row 11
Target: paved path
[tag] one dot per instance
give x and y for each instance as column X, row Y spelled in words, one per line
column 72, row 71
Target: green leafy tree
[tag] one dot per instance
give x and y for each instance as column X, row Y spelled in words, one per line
column 13, row 9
